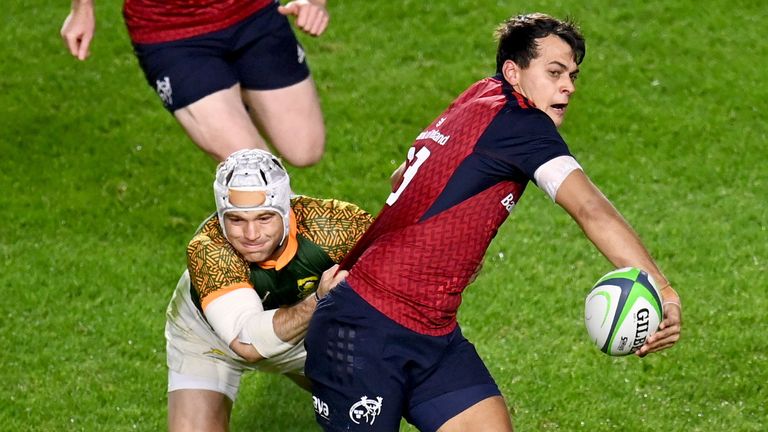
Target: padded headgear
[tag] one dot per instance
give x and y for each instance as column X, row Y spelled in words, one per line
column 250, row 180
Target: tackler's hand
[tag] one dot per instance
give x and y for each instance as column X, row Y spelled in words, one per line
column 329, row 280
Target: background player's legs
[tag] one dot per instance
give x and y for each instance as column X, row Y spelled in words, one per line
column 198, row 410
column 487, row 415
column 291, row 119
column 219, row 124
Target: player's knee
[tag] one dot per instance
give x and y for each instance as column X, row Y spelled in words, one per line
column 306, row 153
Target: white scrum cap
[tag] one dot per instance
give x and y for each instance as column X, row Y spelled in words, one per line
column 250, row 180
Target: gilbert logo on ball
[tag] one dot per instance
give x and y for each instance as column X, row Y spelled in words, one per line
column 622, row 310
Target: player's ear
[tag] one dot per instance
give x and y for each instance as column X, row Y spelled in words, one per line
column 511, row 72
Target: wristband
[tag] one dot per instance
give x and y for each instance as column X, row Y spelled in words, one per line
column 317, row 297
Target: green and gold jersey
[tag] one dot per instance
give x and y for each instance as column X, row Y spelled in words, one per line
column 322, row 231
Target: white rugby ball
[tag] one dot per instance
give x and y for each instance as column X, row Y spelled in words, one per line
column 622, row 310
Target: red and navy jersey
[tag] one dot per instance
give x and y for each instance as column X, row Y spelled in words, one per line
column 464, row 174
column 155, row 21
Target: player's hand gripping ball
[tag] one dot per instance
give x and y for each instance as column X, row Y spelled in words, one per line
column 622, row 310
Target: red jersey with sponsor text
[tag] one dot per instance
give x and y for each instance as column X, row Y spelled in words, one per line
column 155, row 21
column 464, row 174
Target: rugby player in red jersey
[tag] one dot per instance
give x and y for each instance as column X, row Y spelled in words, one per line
column 221, row 67
column 385, row 344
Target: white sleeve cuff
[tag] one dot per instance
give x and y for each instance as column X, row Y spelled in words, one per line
column 550, row 175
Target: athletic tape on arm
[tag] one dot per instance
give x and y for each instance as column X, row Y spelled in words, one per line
column 260, row 332
column 240, row 315
column 550, row 175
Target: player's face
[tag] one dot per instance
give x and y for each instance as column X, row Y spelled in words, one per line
column 548, row 81
column 255, row 234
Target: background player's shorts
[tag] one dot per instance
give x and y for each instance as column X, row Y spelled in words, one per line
column 368, row 371
column 260, row 52
column 198, row 359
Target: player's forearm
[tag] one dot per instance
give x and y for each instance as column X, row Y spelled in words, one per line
column 270, row 333
column 617, row 241
column 288, row 327
column 291, row 323
column 604, row 226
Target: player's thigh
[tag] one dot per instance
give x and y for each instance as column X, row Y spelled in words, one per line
column 489, row 415
column 292, row 119
column 199, row 85
column 271, row 66
column 219, row 123
column 457, row 383
column 198, row 410
column 182, row 72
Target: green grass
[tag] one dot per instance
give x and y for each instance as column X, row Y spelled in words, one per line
column 101, row 191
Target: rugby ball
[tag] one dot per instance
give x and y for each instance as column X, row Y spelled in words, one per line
column 622, row 310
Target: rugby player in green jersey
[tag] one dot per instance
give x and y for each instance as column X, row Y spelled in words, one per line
column 255, row 272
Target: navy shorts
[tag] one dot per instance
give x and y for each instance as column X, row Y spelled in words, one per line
column 260, row 52
column 368, row 372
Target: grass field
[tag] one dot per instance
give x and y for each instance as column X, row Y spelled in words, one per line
column 100, row 191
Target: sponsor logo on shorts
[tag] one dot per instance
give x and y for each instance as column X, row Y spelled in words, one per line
column 365, row 410
column 300, row 55
column 165, row 91
column 321, row 408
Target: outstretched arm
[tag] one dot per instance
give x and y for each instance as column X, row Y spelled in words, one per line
column 311, row 15
column 619, row 243
column 77, row 30
column 290, row 323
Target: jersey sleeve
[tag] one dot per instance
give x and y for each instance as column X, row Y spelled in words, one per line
column 524, row 140
column 215, row 268
column 335, row 226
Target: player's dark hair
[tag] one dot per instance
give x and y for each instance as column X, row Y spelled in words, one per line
column 517, row 38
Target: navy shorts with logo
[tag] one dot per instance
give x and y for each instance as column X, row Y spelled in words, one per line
column 260, row 52
column 367, row 371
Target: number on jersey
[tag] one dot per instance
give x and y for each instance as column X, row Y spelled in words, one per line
column 416, row 159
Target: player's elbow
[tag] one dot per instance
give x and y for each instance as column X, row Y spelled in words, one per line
column 246, row 351
column 254, row 357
